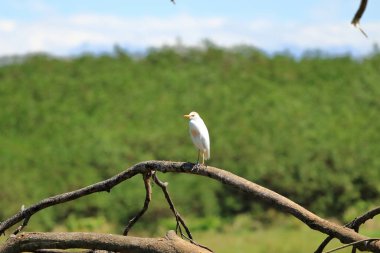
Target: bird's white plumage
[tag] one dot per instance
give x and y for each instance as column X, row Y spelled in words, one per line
column 199, row 134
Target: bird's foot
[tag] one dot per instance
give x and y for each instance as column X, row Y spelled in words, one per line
column 196, row 167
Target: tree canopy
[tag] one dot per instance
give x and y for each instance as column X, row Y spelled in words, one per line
column 305, row 127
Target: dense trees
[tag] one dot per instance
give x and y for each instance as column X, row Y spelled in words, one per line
column 305, row 127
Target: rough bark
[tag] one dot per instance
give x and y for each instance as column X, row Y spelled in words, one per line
column 30, row 242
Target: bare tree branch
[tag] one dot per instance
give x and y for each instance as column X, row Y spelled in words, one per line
column 105, row 185
column 66, row 251
column 178, row 218
column 358, row 15
column 257, row 192
column 148, row 197
column 30, row 242
column 351, row 244
column 355, row 224
column 23, row 224
column 359, row 12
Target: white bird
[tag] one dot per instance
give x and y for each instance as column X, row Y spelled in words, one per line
column 199, row 135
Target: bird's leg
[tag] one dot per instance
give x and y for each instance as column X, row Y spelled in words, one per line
column 199, row 165
column 196, row 166
column 205, row 164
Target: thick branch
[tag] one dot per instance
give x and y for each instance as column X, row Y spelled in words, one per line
column 359, row 12
column 30, row 242
column 258, row 192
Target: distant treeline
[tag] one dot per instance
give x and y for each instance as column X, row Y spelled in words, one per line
column 308, row 128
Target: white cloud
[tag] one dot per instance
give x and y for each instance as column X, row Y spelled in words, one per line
column 326, row 36
column 7, row 26
column 62, row 35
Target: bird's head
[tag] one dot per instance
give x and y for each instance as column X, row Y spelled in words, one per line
column 192, row 115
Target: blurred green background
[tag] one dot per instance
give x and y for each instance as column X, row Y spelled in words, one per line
column 305, row 127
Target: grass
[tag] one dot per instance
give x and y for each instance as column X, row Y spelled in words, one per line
column 272, row 239
column 281, row 233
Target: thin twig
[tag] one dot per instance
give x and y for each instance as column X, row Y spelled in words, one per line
column 23, row 224
column 178, row 217
column 353, row 250
column 197, row 244
column 179, row 220
column 148, row 197
column 323, row 244
column 357, row 222
column 351, row 244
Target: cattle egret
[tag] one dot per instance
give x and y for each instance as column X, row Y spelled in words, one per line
column 199, row 135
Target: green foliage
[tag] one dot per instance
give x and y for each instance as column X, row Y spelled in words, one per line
column 307, row 128
column 76, row 224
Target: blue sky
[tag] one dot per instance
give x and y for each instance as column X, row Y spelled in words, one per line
column 70, row 27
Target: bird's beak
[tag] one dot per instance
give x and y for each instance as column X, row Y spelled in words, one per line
column 186, row 116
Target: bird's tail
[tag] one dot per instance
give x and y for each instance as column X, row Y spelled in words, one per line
column 207, row 154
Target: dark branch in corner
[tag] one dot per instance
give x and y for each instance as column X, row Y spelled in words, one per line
column 255, row 191
column 358, row 15
column 355, row 225
column 352, row 244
